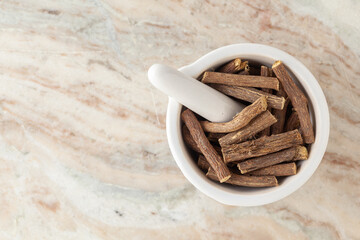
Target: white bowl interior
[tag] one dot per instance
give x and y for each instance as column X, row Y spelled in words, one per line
column 242, row 196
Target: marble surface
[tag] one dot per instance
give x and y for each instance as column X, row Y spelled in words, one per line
column 83, row 149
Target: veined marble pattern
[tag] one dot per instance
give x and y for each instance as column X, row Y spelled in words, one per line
column 83, row 149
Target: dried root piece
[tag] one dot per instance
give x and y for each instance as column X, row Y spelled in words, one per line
column 241, row 80
column 290, row 154
column 239, row 121
column 198, row 135
column 298, row 100
column 266, row 72
column 279, row 170
column 189, row 141
column 246, row 181
column 250, row 94
column 264, row 120
column 262, row 146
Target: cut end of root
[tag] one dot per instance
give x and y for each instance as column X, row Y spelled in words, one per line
column 282, row 103
column 204, row 76
column 294, row 168
column 224, row 179
column 301, row 153
column 237, row 64
column 277, row 63
column 278, row 86
column 276, row 182
column 298, row 135
column 263, row 102
column 243, row 171
column 244, row 65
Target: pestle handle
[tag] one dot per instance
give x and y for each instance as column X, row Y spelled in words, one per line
column 195, row 95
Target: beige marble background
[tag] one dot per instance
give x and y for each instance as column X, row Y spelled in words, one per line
column 83, row 149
